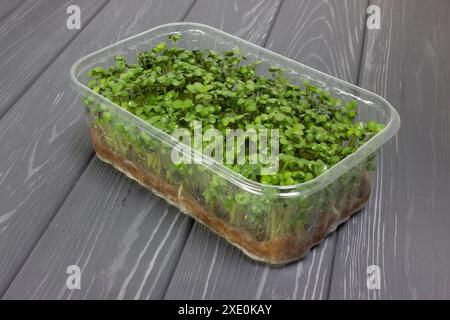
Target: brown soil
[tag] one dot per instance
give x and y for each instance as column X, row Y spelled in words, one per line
column 277, row 252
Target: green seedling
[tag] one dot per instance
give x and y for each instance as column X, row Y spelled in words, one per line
column 170, row 87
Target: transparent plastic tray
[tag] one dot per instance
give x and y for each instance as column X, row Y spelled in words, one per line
column 274, row 224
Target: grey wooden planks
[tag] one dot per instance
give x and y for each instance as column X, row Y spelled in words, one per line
column 31, row 37
column 124, row 240
column 405, row 228
column 141, row 240
column 210, row 268
column 7, row 6
column 327, row 35
column 44, row 149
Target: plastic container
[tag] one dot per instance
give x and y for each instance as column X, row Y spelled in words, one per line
column 274, row 224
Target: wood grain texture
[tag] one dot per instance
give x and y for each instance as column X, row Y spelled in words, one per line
column 326, row 35
column 45, row 148
column 125, row 241
column 250, row 19
column 7, row 6
column 31, row 37
column 405, row 228
column 142, row 263
column 210, row 268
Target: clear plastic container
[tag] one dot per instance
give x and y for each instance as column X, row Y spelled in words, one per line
column 274, row 224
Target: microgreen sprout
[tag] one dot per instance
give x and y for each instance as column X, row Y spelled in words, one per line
column 172, row 87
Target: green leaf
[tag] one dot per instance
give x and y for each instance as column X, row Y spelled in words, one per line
column 174, row 88
column 160, row 47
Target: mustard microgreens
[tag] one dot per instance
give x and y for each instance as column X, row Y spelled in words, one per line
column 171, row 87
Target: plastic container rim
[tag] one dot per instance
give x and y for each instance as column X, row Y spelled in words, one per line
column 247, row 184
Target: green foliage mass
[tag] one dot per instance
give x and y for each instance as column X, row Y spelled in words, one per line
column 171, row 87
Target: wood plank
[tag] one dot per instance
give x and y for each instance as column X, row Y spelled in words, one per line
column 31, row 37
column 250, row 19
column 129, row 251
column 44, row 149
column 405, row 229
column 323, row 34
column 7, row 6
column 210, row 268
column 116, row 232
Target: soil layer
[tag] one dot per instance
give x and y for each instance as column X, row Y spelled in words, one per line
column 277, row 251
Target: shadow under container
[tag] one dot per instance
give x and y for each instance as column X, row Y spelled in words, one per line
column 273, row 224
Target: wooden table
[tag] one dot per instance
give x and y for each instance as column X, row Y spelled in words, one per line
column 61, row 206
